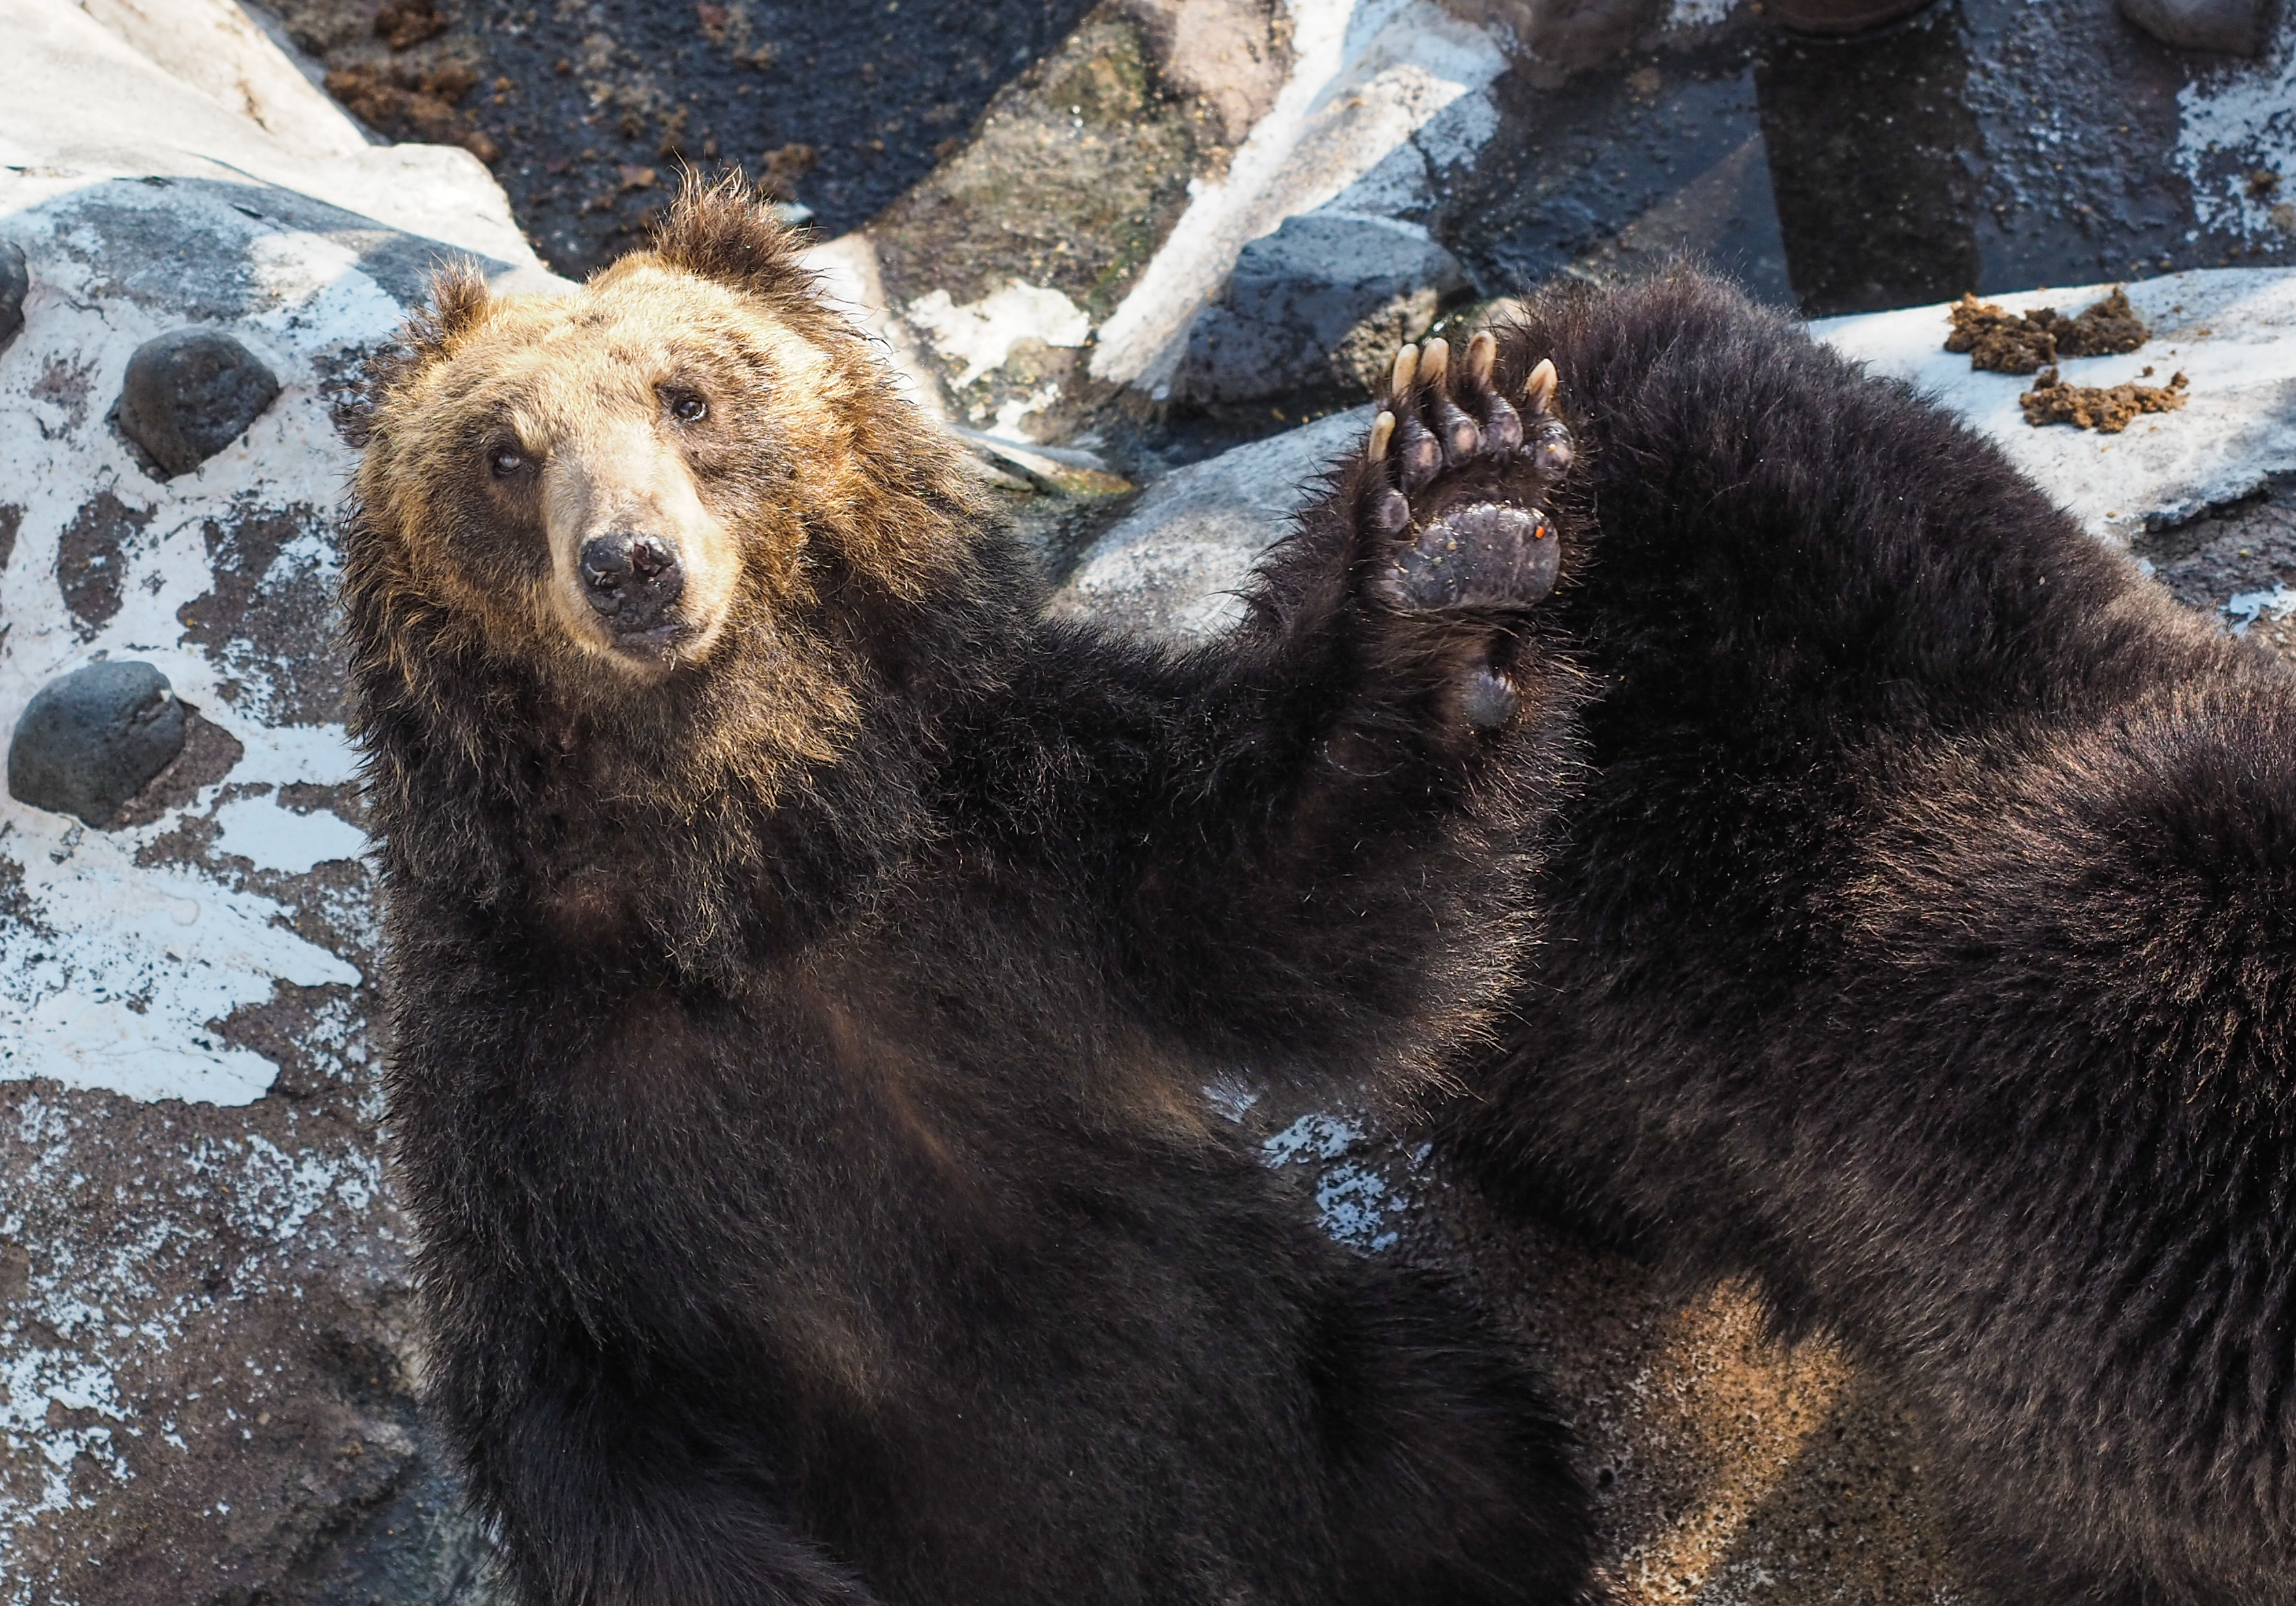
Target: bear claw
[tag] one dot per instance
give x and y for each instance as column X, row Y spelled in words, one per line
column 1484, row 544
column 1538, row 387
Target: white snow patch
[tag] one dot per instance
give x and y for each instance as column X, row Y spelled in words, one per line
column 120, row 988
column 2245, row 608
column 274, row 838
column 981, row 334
column 320, row 754
column 1006, row 424
column 2247, row 112
column 117, row 971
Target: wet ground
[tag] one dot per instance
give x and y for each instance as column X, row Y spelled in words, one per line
column 1992, row 145
column 1986, row 144
column 592, row 106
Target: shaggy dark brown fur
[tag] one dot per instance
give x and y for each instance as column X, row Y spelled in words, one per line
column 801, row 1016
column 1923, row 946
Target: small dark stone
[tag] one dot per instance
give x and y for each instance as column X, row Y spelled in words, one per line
column 15, row 284
column 92, row 739
column 189, row 393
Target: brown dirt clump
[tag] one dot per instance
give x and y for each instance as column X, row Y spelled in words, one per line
column 407, row 99
column 783, row 167
column 2106, row 410
column 403, row 23
column 2006, row 342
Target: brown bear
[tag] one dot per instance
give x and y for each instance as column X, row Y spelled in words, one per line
column 806, row 965
column 1921, row 945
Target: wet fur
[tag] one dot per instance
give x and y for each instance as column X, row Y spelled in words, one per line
column 799, row 1095
column 1922, row 947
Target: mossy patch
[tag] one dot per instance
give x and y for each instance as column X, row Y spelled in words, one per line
column 1071, row 179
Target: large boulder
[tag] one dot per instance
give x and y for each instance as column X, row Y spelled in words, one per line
column 1317, row 307
column 206, row 1369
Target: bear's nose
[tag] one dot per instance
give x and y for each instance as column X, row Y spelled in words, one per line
column 631, row 580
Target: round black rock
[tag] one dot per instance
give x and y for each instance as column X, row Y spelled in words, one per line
column 92, row 739
column 15, row 284
column 189, row 393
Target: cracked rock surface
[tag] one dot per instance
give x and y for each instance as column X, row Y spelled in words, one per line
column 206, row 1376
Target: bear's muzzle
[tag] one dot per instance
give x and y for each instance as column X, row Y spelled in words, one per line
column 634, row 581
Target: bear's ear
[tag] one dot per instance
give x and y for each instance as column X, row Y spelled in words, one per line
column 725, row 232
column 459, row 298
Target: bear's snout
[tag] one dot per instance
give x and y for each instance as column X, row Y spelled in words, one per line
column 632, row 580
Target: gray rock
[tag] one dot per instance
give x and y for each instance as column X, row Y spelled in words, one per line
column 211, row 1362
column 90, row 740
column 1319, row 305
column 15, row 284
column 2240, row 27
column 1172, row 567
column 190, row 393
column 1572, row 35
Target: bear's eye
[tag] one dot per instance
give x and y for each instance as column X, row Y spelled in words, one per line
column 688, row 408
column 506, row 461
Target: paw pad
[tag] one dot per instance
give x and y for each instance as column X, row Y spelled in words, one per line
column 1482, row 554
column 1460, row 472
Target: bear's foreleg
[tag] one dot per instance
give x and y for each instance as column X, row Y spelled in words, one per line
column 1310, row 841
column 1405, row 728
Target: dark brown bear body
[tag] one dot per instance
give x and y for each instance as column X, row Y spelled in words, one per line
column 1922, row 945
column 806, row 966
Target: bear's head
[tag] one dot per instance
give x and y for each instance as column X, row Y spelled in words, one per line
column 692, row 463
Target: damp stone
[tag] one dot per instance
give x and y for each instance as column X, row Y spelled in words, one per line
column 15, row 284
column 2240, row 27
column 91, row 739
column 189, row 393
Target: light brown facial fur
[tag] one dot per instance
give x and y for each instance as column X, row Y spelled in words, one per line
column 686, row 503
column 653, row 405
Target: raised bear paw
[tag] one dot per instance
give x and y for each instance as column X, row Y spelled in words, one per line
column 1458, row 478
